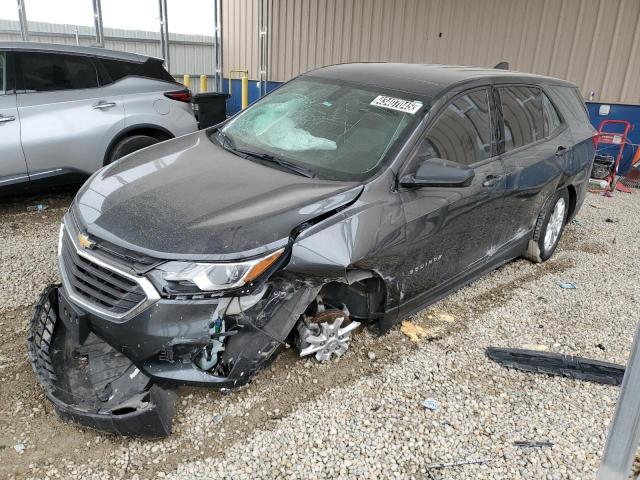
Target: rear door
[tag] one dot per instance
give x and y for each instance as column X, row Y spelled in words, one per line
column 67, row 117
column 13, row 168
column 536, row 146
column 451, row 230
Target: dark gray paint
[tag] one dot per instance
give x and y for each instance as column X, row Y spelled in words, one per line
column 189, row 198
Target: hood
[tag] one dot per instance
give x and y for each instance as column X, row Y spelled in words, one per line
column 188, row 198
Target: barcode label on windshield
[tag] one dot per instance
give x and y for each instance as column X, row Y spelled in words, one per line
column 398, row 104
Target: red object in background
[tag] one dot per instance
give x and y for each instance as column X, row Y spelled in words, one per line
column 612, row 139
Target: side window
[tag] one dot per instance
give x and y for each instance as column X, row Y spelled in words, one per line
column 522, row 114
column 45, row 72
column 462, row 132
column 3, row 73
column 551, row 118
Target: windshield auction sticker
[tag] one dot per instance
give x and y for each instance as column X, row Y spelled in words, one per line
column 398, row 104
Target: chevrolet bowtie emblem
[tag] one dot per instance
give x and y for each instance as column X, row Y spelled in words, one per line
column 85, row 241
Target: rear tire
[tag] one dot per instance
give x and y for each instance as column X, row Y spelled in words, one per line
column 549, row 227
column 129, row 145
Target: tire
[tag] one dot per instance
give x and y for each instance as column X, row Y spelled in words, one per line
column 129, row 145
column 549, row 227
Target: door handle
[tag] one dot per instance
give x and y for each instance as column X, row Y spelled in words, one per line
column 101, row 105
column 7, row 118
column 561, row 150
column 492, row 180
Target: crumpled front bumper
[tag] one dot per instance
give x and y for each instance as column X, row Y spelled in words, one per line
column 87, row 380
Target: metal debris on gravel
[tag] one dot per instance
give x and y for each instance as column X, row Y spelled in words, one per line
column 354, row 418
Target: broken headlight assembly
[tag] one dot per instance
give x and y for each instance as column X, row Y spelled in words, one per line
column 179, row 277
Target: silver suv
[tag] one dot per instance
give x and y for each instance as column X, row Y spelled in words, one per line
column 66, row 111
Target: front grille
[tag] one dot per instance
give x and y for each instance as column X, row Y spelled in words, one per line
column 98, row 285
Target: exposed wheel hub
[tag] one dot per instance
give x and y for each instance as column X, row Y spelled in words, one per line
column 325, row 334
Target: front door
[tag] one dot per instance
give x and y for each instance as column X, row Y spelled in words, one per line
column 450, row 230
column 66, row 116
column 13, row 169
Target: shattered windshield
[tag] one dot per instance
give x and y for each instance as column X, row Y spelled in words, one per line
column 335, row 130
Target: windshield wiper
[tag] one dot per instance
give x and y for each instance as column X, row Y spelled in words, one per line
column 267, row 157
column 226, row 139
column 229, row 145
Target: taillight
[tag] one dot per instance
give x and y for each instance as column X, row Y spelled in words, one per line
column 180, row 95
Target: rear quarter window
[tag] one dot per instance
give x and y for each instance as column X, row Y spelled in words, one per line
column 118, row 69
column 151, row 68
column 570, row 102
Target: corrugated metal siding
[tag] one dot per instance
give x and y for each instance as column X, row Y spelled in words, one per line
column 593, row 43
column 240, row 27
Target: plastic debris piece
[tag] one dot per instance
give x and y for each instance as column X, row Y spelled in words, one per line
column 457, row 464
column 538, row 347
column 431, row 404
column 568, row 285
column 218, row 418
column 19, row 447
column 577, row 222
column 558, row 364
column 532, row 444
column 413, row 331
column 371, row 355
column 612, row 220
column 36, row 208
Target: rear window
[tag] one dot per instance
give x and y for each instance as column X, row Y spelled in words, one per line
column 45, row 72
column 570, row 102
column 151, row 68
column 522, row 111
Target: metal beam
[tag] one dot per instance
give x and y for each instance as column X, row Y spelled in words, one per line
column 97, row 20
column 217, row 45
column 22, row 15
column 624, row 431
column 164, row 33
column 264, row 46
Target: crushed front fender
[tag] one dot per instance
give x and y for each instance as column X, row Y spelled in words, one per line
column 87, row 380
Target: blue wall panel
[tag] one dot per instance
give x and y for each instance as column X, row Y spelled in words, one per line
column 630, row 113
column 234, row 103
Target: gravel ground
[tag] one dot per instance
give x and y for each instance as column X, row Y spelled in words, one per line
column 361, row 416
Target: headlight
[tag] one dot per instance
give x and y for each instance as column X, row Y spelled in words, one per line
column 217, row 276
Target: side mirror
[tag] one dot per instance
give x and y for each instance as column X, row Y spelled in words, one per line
column 437, row 172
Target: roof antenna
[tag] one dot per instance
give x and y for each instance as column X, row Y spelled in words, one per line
column 502, row 66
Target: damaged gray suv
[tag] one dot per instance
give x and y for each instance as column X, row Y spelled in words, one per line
column 351, row 197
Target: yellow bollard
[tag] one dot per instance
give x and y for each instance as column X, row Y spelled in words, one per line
column 186, row 81
column 245, row 90
column 245, row 86
column 203, row 83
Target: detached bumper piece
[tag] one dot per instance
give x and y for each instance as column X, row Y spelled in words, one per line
column 87, row 380
column 558, row 364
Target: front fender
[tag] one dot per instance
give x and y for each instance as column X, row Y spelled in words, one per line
column 368, row 235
